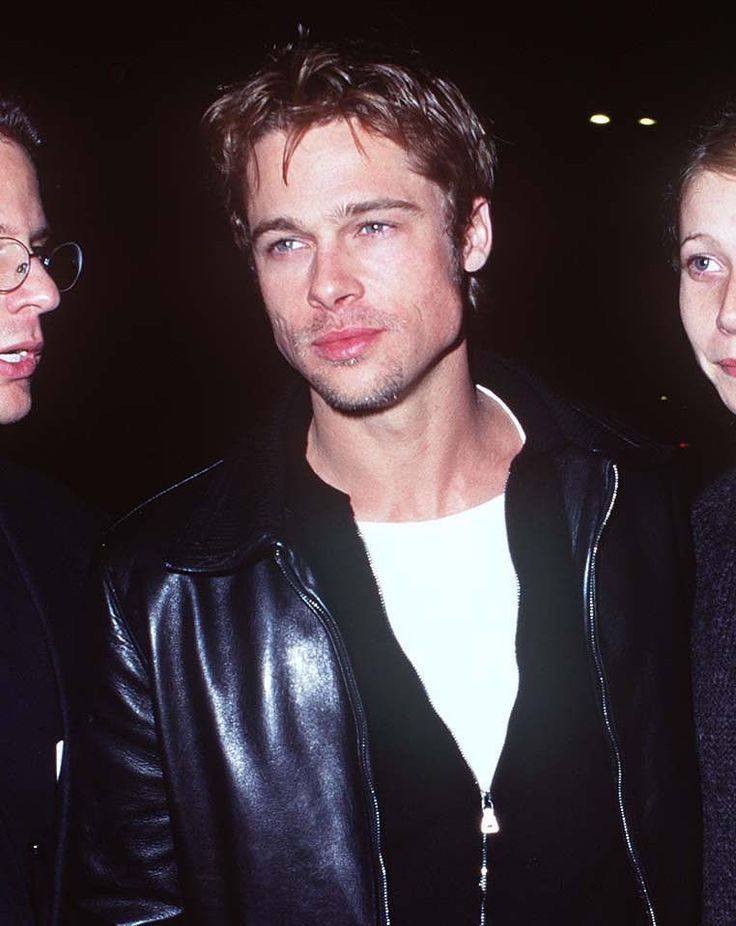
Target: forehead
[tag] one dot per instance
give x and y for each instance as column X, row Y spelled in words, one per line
column 332, row 163
column 21, row 212
column 710, row 198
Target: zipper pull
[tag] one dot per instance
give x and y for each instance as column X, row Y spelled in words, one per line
column 488, row 822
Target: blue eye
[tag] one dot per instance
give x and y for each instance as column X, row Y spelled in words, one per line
column 374, row 228
column 285, row 246
column 701, row 264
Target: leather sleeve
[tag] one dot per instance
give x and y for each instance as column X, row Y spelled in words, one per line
column 123, row 867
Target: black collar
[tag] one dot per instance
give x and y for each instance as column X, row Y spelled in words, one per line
column 234, row 511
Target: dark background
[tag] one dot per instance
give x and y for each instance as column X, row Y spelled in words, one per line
column 159, row 357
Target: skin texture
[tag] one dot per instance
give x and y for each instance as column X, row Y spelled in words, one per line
column 361, row 284
column 708, row 278
column 22, row 217
column 363, row 301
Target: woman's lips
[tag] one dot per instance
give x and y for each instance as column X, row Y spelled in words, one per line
column 728, row 366
column 343, row 344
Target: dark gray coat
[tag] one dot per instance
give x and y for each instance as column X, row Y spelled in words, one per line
column 46, row 540
column 714, row 683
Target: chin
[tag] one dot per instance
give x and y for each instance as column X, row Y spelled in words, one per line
column 15, row 403
column 361, row 405
column 728, row 399
column 377, row 397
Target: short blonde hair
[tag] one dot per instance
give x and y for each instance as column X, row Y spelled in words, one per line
column 307, row 85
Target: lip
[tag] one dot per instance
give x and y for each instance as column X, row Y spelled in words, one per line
column 22, row 369
column 728, row 365
column 342, row 344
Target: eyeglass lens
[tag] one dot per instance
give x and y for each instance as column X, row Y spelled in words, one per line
column 13, row 264
column 63, row 264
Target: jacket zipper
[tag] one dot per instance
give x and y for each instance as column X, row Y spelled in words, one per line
column 604, row 699
column 326, row 619
column 488, row 822
column 488, row 826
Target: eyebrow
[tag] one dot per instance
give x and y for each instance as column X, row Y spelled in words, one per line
column 281, row 223
column 695, row 236
column 380, row 205
column 285, row 223
column 42, row 232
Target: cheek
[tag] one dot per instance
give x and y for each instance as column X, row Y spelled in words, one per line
column 697, row 320
column 688, row 323
column 433, row 282
column 283, row 333
column 281, row 282
column 281, row 300
column 273, row 293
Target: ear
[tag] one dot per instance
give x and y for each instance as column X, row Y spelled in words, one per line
column 478, row 236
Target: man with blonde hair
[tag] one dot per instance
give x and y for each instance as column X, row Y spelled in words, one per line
column 417, row 652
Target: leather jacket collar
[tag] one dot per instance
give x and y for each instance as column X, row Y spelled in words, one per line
column 237, row 512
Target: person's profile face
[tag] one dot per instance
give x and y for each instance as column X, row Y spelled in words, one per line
column 21, row 341
column 354, row 263
column 708, row 277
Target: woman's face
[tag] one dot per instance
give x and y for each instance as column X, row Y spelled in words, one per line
column 708, row 277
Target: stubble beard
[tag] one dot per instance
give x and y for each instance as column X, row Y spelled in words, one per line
column 388, row 384
column 384, row 393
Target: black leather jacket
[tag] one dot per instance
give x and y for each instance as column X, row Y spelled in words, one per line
column 228, row 778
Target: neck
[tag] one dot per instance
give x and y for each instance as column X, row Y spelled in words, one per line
column 441, row 450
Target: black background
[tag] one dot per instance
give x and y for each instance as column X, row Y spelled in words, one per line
column 161, row 354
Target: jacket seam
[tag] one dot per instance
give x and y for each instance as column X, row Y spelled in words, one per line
column 591, row 597
column 359, row 717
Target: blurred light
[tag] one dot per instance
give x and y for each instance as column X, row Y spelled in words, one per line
column 683, row 445
column 663, row 398
column 647, row 120
column 600, row 119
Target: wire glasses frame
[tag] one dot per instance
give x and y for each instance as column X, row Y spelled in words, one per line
column 63, row 263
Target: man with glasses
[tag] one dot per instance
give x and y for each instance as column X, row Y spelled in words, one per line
column 45, row 539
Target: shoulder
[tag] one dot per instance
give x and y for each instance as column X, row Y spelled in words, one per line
column 227, row 512
column 553, row 421
column 714, row 513
column 44, row 519
column 153, row 526
column 50, row 537
column 37, row 493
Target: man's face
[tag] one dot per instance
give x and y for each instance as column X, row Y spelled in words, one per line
column 708, row 279
column 355, row 264
column 21, row 217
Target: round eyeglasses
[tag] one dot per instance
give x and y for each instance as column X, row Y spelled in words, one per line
column 63, row 264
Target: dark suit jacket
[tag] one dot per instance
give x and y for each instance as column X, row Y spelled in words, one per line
column 46, row 538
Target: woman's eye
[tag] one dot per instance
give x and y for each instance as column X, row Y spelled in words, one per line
column 700, row 264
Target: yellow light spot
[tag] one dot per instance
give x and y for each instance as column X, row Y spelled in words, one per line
column 647, row 120
column 600, row 119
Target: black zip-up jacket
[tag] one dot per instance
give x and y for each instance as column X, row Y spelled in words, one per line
column 228, row 775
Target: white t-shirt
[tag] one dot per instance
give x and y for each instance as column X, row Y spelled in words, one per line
column 451, row 596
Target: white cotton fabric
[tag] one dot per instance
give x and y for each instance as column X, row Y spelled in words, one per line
column 451, row 596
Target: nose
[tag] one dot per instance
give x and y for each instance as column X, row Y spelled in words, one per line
column 38, row 293
column 334, row 282
column 726, row 319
